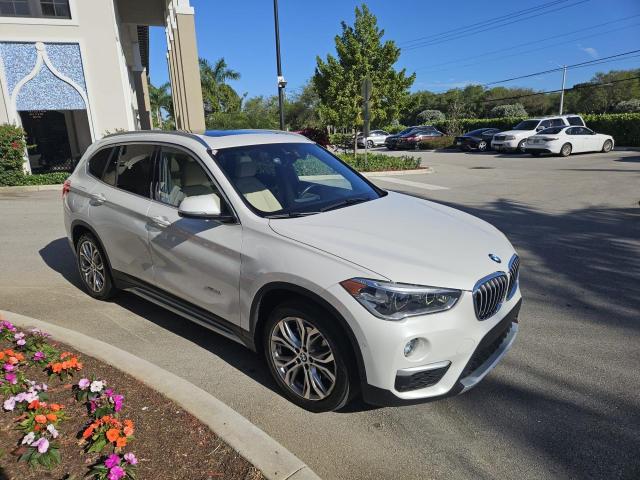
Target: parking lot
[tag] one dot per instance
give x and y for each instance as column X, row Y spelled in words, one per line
column 564, row 402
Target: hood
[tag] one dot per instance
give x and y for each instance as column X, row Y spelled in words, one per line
column 406, row 240
column 518, row 133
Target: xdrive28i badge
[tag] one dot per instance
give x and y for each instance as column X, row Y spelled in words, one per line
column 495, row 258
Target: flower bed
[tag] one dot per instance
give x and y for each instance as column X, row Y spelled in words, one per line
column 69, row 416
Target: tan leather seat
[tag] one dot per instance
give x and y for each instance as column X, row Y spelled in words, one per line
column 256, row 193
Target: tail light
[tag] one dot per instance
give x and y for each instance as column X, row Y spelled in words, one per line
column 66, row 187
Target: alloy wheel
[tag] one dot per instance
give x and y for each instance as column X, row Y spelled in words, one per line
column 482, row 146
column 303, row 358
column 92, row 266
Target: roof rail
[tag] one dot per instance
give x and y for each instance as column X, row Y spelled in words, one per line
column 181, row 133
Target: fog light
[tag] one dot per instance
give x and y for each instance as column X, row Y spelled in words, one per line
column 410, row 346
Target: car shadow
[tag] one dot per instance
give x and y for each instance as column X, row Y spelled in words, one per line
column 632, row 159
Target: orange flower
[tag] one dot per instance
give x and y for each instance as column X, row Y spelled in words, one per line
column 37, row 428
column 88, row 431
column 10, row 352
column 121, row 442
column 34, row 405
column 52, row 417
column 12, row 360
column 56, row 367
column 1, row 355
column 55, row 407
column 113, row 434
column 41, row 419
column 128, row 431
column 65, row 355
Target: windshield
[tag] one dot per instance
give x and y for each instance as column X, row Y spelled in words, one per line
column 292, row 179
column 527, row 125
column 476, row 132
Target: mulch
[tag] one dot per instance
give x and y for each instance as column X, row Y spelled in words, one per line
column 169, row 442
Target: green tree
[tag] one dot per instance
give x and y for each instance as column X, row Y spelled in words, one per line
column 431, row 116
column 160, row 100
column 508, row 110
column 217, row 95
column 360, row 53
column 301, row 109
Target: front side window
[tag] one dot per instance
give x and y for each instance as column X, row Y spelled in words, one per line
column 181, row 176
column 527, row 125
column 134, row 168
column 290, row 179
column 35, row 8
column 552, row 131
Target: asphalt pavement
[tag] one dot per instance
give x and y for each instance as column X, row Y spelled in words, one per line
column 563, row 404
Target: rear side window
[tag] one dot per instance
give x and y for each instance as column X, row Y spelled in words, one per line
column 134, row 167
column 557, row 122
column 575, row 121
column 98, row 163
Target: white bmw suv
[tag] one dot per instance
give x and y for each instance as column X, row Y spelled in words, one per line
column 270, row 240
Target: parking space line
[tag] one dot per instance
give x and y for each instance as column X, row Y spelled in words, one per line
column 409, row 183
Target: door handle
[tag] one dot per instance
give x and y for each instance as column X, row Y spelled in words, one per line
column 161, row 222
column 97, row 199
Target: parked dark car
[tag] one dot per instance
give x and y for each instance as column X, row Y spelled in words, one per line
column 391, row 141
column 479, row 139
column 412, row 139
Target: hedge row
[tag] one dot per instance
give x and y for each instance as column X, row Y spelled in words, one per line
column 623, row 127
column 377, row 162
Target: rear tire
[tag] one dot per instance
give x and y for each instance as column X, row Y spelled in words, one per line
column 370, row 144
column 93, row 268
column 308, row 357
column 565, row 151
column 482, row 146
column 607, row 147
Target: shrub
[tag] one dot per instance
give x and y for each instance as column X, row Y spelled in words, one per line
column 377, row 162
column 392, row 129
column 12, row 148
column 628, row 106
column 514, row 110
column 342, row 140
column 431, row 116
column 623, row 127
column 436, row 142
column 318, row 135
column 53, row 178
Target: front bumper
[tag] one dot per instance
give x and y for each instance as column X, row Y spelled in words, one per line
column 452, row 356
column 505, row 145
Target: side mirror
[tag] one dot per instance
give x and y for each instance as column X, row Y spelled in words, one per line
column 204, row 207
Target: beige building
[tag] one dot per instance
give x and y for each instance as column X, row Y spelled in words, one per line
column 71, row 71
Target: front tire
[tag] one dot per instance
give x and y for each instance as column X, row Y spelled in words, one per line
column 308, row 357
column 482, row 146
column 94, row 268
column 370, row 144
column 607, row 147
column 522, row 146
column 565, row 151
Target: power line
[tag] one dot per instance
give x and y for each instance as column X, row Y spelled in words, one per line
column 534, row 42
column 575, row 65
column 484, row 22
column 575, row 87
column 450, row 37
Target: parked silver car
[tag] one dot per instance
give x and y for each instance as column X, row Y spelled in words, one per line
column 375, row 138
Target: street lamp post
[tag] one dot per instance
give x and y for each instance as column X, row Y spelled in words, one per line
column 281, row 81
column 564, row 77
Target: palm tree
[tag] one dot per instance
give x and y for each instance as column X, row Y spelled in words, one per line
column 216, row 94
column 160, row 98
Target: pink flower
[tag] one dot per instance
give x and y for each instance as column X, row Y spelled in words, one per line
column 8, row 367
column 38, row 356
column 116, row 473
column 117, row 402
column 12, row 378
column 42, row 444
column 84, row 383
column 130, row 458
column 21, row 342
column 112, row 460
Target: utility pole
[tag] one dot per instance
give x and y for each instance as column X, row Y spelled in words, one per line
column 281, row 81
column 564, row 77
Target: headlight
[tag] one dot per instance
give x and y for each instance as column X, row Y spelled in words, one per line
column 395, row 301
column 509, row 137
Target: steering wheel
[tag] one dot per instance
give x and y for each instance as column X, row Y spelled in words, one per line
column 308, row 189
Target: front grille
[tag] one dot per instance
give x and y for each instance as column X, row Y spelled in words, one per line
column 492, row 342
column 489, row 294
column 499, row 137
column 514, row 272
column 426, row 378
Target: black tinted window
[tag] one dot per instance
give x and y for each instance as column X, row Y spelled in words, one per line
column 98, row 163
column 134, row 168
column 575, row 121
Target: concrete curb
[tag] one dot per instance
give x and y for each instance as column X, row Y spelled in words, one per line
column 391, row 173
column 262, row 451
column 31, row 188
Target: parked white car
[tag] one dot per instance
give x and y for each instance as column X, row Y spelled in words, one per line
column 567, row 140
column 375, row 138
column 516, row 139
column 270, row 240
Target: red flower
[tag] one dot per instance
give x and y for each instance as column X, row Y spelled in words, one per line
column 15, row 145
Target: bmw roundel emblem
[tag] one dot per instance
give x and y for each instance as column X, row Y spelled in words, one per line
column 495, row 258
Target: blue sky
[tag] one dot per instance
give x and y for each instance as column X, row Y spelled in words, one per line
column 242, row 33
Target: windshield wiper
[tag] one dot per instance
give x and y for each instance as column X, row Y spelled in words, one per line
column 291, row 214
column 344, row 203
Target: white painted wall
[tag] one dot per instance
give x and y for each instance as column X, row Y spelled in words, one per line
column 94, row 27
